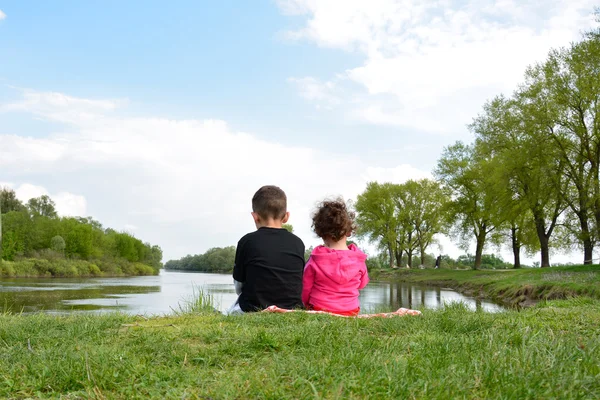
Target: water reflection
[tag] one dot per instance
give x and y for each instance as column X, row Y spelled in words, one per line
column 399, row 294
column 164, row 293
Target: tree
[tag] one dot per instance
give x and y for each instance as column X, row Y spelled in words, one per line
column 42, row 206
column 9, row 201
column 514, row 134
column 58, row 244
column 308, row 252
column 474, row 207
column 288, row 227
column 377, row 219
column 421, row 206
column 216, row 259
column 570, row 84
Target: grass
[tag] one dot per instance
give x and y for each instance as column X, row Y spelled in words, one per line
column 518, row 287
column 548, row 351
column 200, row 301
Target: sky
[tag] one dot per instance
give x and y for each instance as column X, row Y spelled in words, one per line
column 163, row 119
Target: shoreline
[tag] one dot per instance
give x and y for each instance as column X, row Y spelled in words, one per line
column 523, row 287
column 64, row 268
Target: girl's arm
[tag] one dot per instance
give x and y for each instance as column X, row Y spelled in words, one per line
column 308, row 280
column 364, row 279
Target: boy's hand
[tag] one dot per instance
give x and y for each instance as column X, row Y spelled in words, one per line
column 238, row 287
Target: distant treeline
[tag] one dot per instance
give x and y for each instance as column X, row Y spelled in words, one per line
column 488, row 261
column 217, row 259
column 35, row 231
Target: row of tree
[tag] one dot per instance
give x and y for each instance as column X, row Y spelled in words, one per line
column 217, row 259
column 402, row 218
column 530, row 180
column 35, row 230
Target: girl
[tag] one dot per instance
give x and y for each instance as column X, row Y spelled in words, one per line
column 335, row 272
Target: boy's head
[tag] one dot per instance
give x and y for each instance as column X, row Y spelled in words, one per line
column 332, row 220
column 269, row 205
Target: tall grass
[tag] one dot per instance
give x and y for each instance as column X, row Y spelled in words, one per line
column 200, row 301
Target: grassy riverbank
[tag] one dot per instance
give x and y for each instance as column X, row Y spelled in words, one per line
column 63, row 268
column 548, row 351
column 520, row 286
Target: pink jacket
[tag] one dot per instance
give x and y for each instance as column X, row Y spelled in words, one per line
column 332, row 278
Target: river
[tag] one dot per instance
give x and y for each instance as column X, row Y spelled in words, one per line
column 165, row 293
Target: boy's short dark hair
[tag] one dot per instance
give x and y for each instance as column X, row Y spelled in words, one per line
column 270, row 202
column 333, row 220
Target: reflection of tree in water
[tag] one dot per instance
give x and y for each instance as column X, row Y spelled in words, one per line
column 48, row 300
column 394, row 295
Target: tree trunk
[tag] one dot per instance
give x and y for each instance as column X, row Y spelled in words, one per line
column 545, row 252
column 422, row 256
column 409, row 254
column 516, row 247
column 588, row 250
column 399, row 258
column 391, row 252
column 588, row 245
column 479, row 249
column 543, row 238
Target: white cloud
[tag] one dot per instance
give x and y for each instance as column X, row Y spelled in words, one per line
column 183, row 184
column 399, row 174
column 2, row 15
column 60, row 107
column 315, row 90
column 431, row 65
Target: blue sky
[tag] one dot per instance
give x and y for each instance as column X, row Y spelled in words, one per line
column 189, row 60
column 163, row 118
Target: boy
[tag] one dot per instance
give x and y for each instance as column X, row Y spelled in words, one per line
column 269, row 262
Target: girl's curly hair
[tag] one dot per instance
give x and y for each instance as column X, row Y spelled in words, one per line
column 333, row 220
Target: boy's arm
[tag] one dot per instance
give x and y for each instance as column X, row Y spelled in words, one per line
column 308, row 280
column 239, row 269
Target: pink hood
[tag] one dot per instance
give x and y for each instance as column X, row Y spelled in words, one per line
column 333, row 278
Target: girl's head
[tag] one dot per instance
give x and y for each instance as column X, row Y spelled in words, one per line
column 332, row 221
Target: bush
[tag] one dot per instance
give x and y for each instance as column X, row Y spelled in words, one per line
column 38, row 267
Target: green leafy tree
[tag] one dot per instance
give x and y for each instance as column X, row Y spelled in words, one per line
column 569, row 83
column 514, row 134
column 308, row 252
column 377, row 220
column 216, row 259
column 9, row 201
column 42, row 206
column 421, row 207
column 475, row 203
column 58, row 244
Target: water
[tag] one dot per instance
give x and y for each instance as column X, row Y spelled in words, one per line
column 165, row 293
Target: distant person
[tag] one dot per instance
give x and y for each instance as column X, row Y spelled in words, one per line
column 438, row 261
column 270, row 261
column 335, row 272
